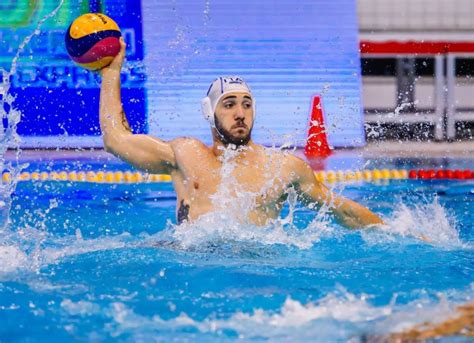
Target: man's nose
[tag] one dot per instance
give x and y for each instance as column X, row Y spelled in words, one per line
column 239, row 112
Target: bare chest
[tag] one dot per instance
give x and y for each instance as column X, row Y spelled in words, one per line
column 251, row 181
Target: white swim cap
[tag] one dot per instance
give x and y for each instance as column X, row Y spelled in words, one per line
column 219, row 88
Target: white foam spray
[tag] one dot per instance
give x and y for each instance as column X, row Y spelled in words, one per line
column 232, row 206
column 427, row 221
column 340, row 315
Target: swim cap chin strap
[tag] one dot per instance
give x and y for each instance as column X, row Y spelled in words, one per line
column 219, row 88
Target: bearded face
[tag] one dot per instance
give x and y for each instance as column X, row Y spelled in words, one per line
column 239, row 134
column 234, row 119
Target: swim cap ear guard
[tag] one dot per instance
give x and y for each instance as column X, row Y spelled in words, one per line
column 219, row 88
column 207, row 111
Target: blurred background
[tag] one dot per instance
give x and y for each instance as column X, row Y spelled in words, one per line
column 385, row 70
column 417, row 66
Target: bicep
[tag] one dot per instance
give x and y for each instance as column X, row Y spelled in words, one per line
column 310, row 190
column 144, row 152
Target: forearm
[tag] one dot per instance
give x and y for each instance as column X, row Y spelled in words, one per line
column 113, row 122
column 353, row 215
column 346, row 212
column 142, row 151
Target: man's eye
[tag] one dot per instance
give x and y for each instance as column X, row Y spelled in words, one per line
column 228, row 105
column 247, row 105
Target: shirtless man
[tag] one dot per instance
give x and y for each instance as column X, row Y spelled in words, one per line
column 196, row 169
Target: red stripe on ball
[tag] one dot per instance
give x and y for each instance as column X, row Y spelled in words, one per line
column 106, row 47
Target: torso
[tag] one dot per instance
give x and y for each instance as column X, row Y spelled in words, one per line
column 255, row 179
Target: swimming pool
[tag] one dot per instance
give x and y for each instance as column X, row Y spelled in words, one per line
column 89, row 261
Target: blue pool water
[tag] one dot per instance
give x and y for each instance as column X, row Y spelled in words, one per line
column 98, row 262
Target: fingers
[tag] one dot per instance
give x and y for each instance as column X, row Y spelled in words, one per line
column 123, row 47
column 117, row 62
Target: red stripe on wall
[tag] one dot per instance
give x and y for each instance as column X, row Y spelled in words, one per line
column 414, row 47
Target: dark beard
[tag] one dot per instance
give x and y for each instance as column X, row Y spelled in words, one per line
column 227, row 138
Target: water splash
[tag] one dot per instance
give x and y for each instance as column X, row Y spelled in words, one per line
column 31, row 247
column 340, row 315
column 10, row 117
column 234, row 205
column 426, row 220
column 320, row 319
column 29, row 250
column 11, row 259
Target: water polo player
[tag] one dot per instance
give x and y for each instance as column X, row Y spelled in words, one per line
column 263, row 177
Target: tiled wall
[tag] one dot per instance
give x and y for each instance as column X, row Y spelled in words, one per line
column 416, row 15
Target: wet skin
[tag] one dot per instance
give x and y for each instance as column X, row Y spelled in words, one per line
column 259, row 176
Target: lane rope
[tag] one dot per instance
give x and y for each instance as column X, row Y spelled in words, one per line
column 322, row 176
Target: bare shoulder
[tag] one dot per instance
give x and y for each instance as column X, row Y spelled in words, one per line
column 299, row 167
column 296, row 163
column 294, row 167
column 188, row 148
column 187, row 143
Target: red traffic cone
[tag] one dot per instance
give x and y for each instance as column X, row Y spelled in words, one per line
column 317, row 142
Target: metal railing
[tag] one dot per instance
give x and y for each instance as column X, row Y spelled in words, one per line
column 445, row 114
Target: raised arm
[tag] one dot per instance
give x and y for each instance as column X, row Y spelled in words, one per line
column 347, row 212
column 142, row 151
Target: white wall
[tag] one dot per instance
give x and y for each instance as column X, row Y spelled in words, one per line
column 416, row 15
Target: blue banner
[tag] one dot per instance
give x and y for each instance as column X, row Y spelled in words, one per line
column 56, row 97
column 287, row 51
